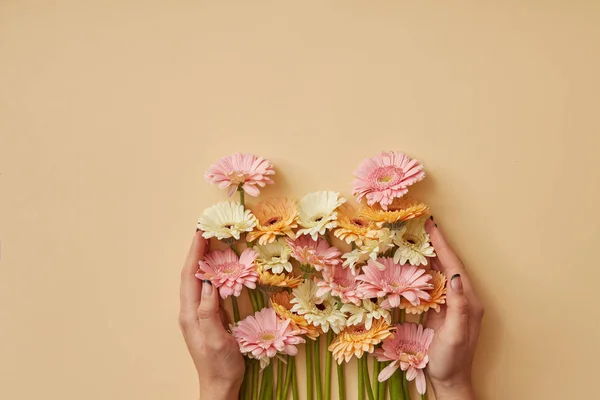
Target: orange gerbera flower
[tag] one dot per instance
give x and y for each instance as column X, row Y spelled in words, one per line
column 356, row 340
column 437, row 296
column 268, row 280
column 281, row 304
column 400, row 210
column 276, row 217
column 352, row 227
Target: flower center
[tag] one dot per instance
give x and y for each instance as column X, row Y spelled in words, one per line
column 359, row 222
column 384, row 177
column 272, row 221
column 229, row 268
column 317, row 218
column 237, row 177
column 409, row 348
column 411, row 239
column 268, row 336
column 321, row 307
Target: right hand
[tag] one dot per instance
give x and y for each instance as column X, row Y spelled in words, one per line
column 456, row 327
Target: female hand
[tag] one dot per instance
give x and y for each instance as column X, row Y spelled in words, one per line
column 456, row 327
column 215, row 352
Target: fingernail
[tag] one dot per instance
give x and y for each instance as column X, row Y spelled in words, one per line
column 456, row 282
column 206, row 288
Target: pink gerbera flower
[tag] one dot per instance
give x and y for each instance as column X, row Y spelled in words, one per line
column 240, row 170
column 228, row 272
column 407, row 349
column 394, row 281
column 264, row 334
column 385, row 177
column 317, row 253
column 341, row 283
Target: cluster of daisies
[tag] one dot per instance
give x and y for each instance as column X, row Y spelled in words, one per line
column 320, row 269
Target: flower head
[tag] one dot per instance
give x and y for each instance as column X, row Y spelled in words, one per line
column 280, row 302
column 269, row 281
column 317, row 212
column 244, row 171
column 264, row 334
column 407, row 349
column 229, row 273
column 385, row 177
column 413, row 243
column 356, row 340
column 275, row 217
column 317, row 253
column 370, row 250
column 400, row 210
column 274, row 256
column 437, row 296
column 365, row 314
column 352, row 227
column 395, row 281
column 321, row 311
column 226, row 220
column 342, row 283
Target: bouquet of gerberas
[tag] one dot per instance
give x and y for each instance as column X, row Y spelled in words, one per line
column 320, row 269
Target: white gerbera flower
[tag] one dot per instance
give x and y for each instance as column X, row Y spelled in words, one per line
column 370, row 249
column 225, row 220
column 413, row 243
column 320, row 311
column 366, row 314
column 274, row 256
column 317, row 212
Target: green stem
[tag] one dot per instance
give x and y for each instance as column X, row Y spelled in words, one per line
column 289, row 369
column 395, row 384
column 236, row 309
column 252, row 296
column 255, row 370
column 341, row 382
column 242, row 198
column 295, row 394
column 309, row 370
column 424, row 396
column 267, row 382
column 376, row 370
column 382, row 388
column 422, row 318
column 402, row 316
column 317, row 361
column 361, row 379
column 328, row 359
column 260, row 301
column 279, row 382
column 246, row 387
column 405, row 386
column 365, row 366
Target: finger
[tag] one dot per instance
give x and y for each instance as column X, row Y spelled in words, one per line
column 449, row 261
column 225, row 320
column 456, row 325
column 190, row 290
column 209, row 318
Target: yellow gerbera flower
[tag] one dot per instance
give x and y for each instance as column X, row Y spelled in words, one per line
column 276, row 217
column 352, row 227
column 267, row 279
column 281, row 304
column 356, row 340
column 400, row 210
column 437, row 296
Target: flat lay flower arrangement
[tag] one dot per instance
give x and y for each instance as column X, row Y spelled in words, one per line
column 341, row 281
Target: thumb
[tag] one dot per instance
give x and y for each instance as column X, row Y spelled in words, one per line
column 457, row 312
column 209, row 320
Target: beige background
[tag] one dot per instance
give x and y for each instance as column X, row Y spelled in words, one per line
column 111, row 110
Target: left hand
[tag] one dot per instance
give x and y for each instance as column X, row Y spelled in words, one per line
column 215, row 352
